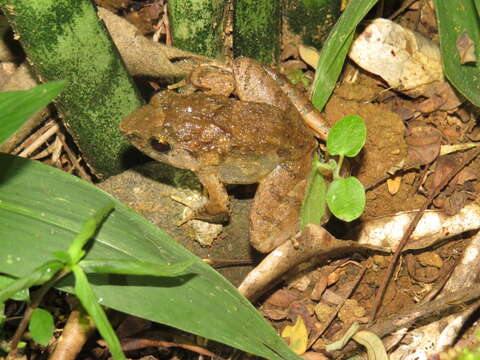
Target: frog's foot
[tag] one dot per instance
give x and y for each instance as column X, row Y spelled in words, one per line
column 197, row 207
column 204, row 215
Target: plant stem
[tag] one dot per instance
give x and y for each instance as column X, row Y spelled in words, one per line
column 336, row 172
column 36, row 300
column 65, row 40
column 197, row 26
column 257, row 30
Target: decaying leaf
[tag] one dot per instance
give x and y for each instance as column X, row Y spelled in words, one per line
column 423, row 141
column 298, row 336
column 373, row 344
column 406, row 60
column 466, row 49
column 393, row 185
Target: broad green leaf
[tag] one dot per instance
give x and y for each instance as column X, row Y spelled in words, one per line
column 346, row 198
column 17, row 106
column 314, row 206
column 89, row 301
column 22, row 295
column 42, row 209
column 129, row 267
column 34, row 277
column 335, row 50
column 347, row 136
column 455, row 18
column 41, row 326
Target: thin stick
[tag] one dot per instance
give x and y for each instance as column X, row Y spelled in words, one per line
column 411, row 228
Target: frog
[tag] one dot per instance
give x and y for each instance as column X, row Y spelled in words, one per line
column 228, row 141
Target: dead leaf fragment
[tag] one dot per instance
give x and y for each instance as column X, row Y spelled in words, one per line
column 430, row 258
column 297, row 335
column 466, row 49
column 281, row 298
column 393, row 184
column 423, row 141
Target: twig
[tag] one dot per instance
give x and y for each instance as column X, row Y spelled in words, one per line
column 411, row 228
column 421, row 314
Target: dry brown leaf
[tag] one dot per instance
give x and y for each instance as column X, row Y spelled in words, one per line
column 466, row 49
column 424, row 142
column 393, row 184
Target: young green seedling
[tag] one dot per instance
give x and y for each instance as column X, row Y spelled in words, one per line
column 345, row 197
column 41, row 321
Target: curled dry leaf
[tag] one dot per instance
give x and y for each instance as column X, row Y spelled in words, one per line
column 281, row 298
column 406, row 60
column 441, row 96
column 466, row 49
column 424, row 142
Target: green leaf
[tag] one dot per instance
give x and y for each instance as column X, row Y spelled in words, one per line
column 42, row 209
column 22, row 295
column 17, row 106
column 314, row 206
column 335, row 50
column 129, row 267
column 455, row 18
column 87, row 298
column 347, row 136
column 36, row 276
column 75, row 251
column 41, row 326
column 346, row 198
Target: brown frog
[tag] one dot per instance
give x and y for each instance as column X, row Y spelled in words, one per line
column 226, row 141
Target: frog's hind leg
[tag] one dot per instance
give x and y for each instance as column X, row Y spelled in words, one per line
column 276, row 207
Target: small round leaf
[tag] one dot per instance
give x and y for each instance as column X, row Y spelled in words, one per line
column 347, row 136
column 41, row 326
column 346, row 198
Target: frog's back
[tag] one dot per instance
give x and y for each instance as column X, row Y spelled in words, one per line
column 245, row 140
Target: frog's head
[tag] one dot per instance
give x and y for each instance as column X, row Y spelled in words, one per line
column 144, row 129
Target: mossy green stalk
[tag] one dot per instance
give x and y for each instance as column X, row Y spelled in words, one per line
column 311, row 19
column 257, row 30
column 65, row 40
column 197, row 26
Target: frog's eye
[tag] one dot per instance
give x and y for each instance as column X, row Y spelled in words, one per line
column 162, row 147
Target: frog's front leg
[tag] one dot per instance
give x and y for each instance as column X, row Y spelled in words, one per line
column 216, row 209
column 276, row 208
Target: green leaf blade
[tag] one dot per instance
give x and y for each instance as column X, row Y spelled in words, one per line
column 52, row 211
column 347, row 136
column 90, row 303
column 17, row 106
column 128, row 267
column 346, row 198
column 455, row 18
column 335, row 50
column 37, row 276
column 41, row 326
